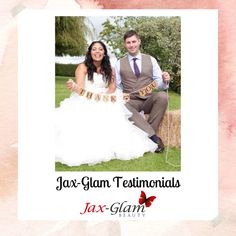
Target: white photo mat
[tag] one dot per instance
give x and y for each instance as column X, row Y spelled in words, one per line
column 195, row 199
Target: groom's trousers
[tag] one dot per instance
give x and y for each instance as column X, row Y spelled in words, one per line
column 155, row 106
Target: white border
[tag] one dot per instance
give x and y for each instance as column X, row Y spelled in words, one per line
column 197, row 199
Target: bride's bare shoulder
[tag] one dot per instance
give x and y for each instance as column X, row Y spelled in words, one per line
column 81, row 68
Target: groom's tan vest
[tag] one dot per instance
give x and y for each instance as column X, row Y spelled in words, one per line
column 129, row 81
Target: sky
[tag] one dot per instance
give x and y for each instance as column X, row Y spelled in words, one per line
column 97, row 23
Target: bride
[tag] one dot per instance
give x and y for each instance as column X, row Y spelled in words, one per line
column 91, row 129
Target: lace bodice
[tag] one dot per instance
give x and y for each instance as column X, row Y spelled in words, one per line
column 97, row 85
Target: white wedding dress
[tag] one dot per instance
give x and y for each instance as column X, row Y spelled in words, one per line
column 90, row 131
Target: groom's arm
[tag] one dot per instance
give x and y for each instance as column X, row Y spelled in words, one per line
column 161, row 78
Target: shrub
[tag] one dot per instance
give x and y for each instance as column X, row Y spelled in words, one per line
column 65, row 69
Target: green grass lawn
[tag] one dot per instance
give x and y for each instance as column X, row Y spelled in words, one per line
column 61, row 91
column 174, row 100
column 149, row 162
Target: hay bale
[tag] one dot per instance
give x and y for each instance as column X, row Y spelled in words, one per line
column 173, row 118
column 171, row 121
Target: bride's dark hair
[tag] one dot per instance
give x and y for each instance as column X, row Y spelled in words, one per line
column 105, row 64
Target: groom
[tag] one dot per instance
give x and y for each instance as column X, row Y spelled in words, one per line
column 135, row 71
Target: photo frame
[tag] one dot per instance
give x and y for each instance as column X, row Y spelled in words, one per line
column 115, row 195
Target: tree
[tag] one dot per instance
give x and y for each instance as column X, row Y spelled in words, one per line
column 71, row 33
column 160, row 37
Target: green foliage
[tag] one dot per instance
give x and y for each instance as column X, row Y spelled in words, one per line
column 160, row 37
column 71, row 35
column 112, row 33
column 65, row 69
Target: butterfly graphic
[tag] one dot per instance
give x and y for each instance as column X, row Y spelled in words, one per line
column 143, row 199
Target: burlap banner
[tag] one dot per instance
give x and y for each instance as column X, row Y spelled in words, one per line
column 147, row 89
column 113, row 98
column 97, row 96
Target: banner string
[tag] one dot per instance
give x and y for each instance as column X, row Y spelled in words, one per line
column 168, row 135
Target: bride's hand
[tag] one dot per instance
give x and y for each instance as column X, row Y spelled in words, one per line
column 71, row 85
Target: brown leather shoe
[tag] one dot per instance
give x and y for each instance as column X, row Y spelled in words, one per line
column 160, row 146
